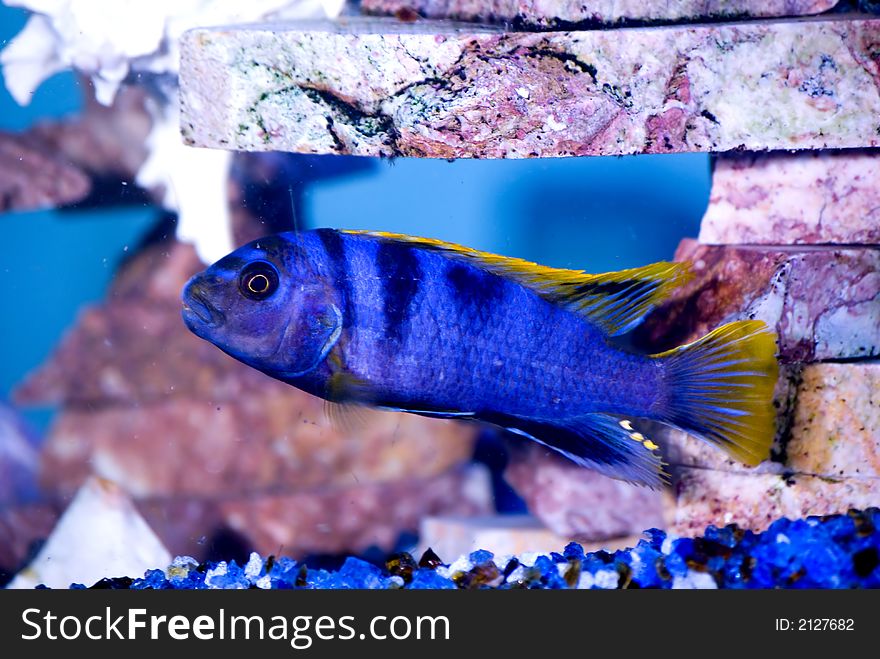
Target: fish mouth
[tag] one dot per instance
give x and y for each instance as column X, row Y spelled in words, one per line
column 197, row 310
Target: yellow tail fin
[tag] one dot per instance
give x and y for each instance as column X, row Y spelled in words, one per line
column 720, row 388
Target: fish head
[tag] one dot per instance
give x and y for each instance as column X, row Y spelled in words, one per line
column 263, row 305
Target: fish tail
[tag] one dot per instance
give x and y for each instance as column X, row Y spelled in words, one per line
column 720, row 389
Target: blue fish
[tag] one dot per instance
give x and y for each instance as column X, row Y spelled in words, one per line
column 428, row 327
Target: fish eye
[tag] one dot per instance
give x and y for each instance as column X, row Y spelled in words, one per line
column 258, row 280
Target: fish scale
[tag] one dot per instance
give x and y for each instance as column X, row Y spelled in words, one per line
column 470, row 353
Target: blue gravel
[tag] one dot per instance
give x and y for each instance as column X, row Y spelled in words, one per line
column 837, row 551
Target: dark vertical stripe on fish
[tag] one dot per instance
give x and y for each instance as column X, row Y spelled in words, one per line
column 334, row 246
column 398, row 267
column 473, row 289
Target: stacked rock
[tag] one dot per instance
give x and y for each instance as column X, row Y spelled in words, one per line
column 210, row 447
column 797, row 233
column 794, row 240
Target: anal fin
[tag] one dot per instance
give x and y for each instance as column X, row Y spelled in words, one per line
column 604, row 443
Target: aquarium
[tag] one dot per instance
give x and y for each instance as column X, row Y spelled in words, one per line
column 420, row 295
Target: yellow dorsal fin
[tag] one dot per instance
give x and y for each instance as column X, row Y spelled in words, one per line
column 616, row 301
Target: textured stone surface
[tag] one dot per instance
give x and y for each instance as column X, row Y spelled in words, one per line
column 831, row 460
column 354, row 518
column 836, row 428
column 823, row 303
column 684, row 451
column 503, row 535
column 579, row 503
column 785, row 198
column 262, row 441
column 561, row 13
column 385, row 87
column 753, row 501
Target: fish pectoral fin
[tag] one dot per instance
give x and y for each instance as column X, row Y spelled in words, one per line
column 616, row 301
column 349, row 398
column 347, row 418
column 343, row 386
column 605, row 443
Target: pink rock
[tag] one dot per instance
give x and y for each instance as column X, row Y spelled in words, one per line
column 323, row 520
column 561, row 13
column 53, row 163
column 822, row 303
column 33, row 177
column 754, row 501
column 784, row 198
column 579, row 503
column 187, row 526
column 138, row 352
column 354, row 518
column 836, row 426
column 157, row 274
column 378, row 87
column 264, row 441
